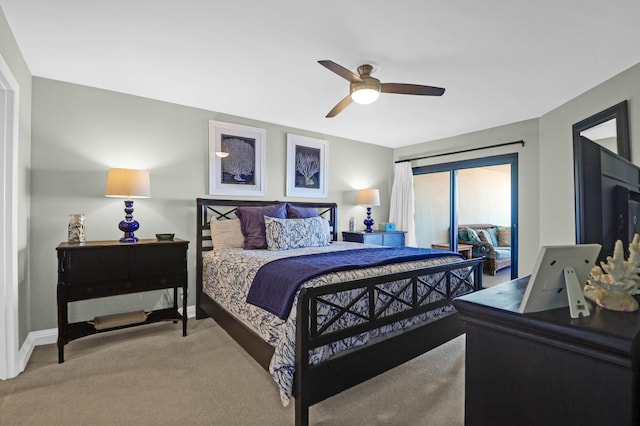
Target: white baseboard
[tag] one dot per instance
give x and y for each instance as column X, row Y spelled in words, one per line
column 47, row 337
column 35, row 338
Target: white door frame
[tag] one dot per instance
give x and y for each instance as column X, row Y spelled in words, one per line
column 9, row 95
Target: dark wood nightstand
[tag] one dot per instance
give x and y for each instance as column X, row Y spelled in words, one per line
column 392, row 239
column 97, row 269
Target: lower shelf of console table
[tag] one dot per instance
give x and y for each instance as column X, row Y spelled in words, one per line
column 77, row 330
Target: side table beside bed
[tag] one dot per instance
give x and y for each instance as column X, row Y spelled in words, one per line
column 96, row 269
column 463, row 249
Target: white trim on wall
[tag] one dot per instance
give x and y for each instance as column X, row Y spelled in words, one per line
column 50, row 336
column 9, row 95
column 35, row 338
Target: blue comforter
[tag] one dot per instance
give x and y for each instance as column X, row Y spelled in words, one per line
column 277, row 282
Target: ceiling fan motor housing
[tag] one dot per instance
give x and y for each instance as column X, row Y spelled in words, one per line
column 368, row 84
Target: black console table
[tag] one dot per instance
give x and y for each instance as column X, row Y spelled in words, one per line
column 544, row 367
column 108, row 268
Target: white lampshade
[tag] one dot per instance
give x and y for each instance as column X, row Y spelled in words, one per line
column 365, row 96
column 369, row 197
column 128, row 183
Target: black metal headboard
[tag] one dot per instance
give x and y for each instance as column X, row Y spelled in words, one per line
column 215, row 209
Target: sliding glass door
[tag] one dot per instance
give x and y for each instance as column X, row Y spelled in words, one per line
column 479, row 194
column 433, row 202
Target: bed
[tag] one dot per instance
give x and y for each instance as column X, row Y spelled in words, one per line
column 332, row 338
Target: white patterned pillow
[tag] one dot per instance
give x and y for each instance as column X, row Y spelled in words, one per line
column 286, row 234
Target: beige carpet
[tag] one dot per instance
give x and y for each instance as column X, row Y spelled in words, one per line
column 502, row 276
column 153, row 375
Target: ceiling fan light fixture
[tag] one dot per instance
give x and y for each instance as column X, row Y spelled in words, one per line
column 365, row 89
column 365, row 95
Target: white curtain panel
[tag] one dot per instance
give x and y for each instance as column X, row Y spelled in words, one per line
column 402, row 208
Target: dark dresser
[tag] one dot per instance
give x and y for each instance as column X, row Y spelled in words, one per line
column 545, row 367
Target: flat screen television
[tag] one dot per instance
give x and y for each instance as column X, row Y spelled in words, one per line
column 558, row 278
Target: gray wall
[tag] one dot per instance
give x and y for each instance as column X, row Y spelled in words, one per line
column 11, row 54
column 80, row 132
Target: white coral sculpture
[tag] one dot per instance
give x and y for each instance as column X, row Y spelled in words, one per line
column 613, row 282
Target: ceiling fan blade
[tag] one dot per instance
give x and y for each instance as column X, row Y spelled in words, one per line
column 411, row 89
column 341, row 105
column 341, row 71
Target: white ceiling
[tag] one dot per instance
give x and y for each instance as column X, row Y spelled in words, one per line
column 501, row 61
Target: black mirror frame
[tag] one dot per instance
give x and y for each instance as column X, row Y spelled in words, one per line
column 621, row 113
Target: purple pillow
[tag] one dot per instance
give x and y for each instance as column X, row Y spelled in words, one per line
column 297, row 212
column 252, row 223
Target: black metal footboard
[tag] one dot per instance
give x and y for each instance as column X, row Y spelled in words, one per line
column 412, row 294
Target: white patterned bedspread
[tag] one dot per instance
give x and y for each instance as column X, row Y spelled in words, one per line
column 227, row 277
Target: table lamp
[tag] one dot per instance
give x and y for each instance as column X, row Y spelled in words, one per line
column 128, row 183
column 369, row 198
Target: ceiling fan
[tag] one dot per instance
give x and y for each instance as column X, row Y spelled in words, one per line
column 365, row 89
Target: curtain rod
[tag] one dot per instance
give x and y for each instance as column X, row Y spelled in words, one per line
column 461, row 151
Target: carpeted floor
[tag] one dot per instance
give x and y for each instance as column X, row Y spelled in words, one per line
column 502, row 276
column 153, row 375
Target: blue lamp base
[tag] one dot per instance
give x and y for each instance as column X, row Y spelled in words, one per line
column 128, row 225
column 368, row 222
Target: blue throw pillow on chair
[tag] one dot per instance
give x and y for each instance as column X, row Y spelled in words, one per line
column 473, row 236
